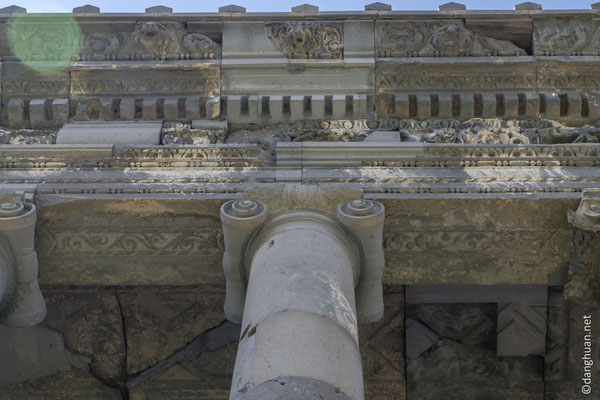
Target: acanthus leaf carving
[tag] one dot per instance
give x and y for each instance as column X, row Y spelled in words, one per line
column 438, row 39
column 307, row 40
column 150, row 40
column 566, row 37
column 584, row 269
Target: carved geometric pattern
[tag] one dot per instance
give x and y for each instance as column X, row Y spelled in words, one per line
column 521, row 330
column 557, row 337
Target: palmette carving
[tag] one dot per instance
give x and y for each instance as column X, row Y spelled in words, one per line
column 307, row 39
column 566, row 37
column 584, row 269
column 438, row 39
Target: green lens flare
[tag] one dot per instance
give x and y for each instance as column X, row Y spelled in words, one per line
column 47, row 44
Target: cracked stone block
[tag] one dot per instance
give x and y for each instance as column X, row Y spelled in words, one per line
column 162, row 320
column 419, row 339
column 69, row 385
column 208, row 376
column 91, row 322
column 82, row 112
column 382, row 349
column 35, row 351
column 521, row 330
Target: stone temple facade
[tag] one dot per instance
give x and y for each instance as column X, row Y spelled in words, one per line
column 307, row 205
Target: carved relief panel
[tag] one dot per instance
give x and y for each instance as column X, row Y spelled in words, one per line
column 308, row 40
column 449, row 38
column 566, row 37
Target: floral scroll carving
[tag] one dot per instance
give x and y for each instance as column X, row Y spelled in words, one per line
column 584, row 269
column 149, row 41
column 438, row 39
column 566, row 37
column 308, row 40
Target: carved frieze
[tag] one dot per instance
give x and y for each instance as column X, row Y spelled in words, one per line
column 59, row 40
column 395, row 77
column 150, row 40
column 307, row 40
column 566, row 37
column 584, row 269
column 437, row 39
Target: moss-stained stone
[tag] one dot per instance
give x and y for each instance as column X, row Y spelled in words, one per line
column 162, row 320
column 382, row 350
column 566, row 350
column 453, row 370
column 78, row 384
column 133, row 242
column 477, row 241
column 91, row 323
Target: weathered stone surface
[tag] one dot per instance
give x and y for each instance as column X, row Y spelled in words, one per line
column 377, row 6
column 91, row 322
column 110, row 132
column 155, row 243
column 69, row 385
column 529, row 294
column 12, row 10
column 232, row 8
column 521, row 330
column 567, row 349
column 419, row 339
column 306, row 9
column 159, row 9
column 382, row 349
column 471, row 372
column 517, row 236
column 34, row 352
column 466, row 323
column 88, row 8
column 452, row 6
column 528, row 6
column 206, row 377
column 159, row 321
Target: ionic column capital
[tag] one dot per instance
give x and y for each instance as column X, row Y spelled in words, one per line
column 21, row 301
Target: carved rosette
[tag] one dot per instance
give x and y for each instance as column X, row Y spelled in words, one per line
column 566, row 37
column 438, row 39
column 307, row 40
column 584, row 269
